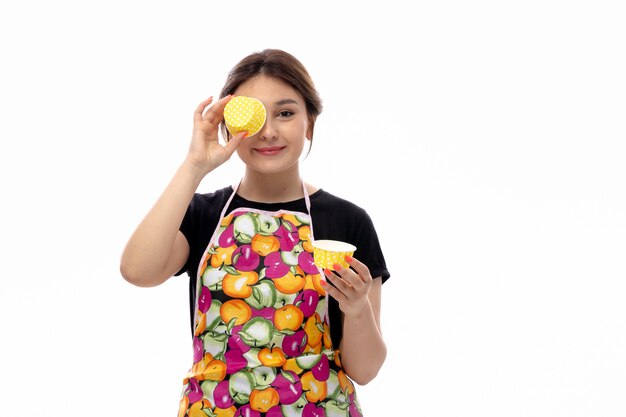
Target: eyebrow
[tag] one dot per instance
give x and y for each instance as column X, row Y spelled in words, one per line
column 286, row 101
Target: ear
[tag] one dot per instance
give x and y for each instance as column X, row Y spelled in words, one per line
column 309, row 132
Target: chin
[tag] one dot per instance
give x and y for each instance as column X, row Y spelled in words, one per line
column 271, row 166
column 271, row 169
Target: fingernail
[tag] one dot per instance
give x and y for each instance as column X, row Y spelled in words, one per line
column 323, row 283
column 348, row 258
column 245, row 135
column 327, row 271
column 336, row 267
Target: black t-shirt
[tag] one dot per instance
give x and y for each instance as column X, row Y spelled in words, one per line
column 332, row 218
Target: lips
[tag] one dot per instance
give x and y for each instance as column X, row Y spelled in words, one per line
column 269, row 151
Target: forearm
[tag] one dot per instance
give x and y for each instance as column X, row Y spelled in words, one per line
column 146, row 256
column 363, row 350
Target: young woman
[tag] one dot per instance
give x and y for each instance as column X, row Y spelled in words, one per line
column 272, row 334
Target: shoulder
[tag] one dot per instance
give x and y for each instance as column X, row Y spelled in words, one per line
column 203, row 209
column 338, row 218
column 329, row 201
column 203, row 201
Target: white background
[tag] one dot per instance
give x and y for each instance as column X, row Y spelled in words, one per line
column 485, row 139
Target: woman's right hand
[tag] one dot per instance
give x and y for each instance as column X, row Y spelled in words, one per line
column 157, row 248
column 205, row 151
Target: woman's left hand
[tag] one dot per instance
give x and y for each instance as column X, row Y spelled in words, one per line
column 350, row 287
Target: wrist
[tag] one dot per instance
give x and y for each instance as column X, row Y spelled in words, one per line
column 192, row 170
column 359, row 313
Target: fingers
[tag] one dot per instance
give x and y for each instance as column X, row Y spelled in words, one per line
column 359, row 274
column 232, row 144
column 203, row 105
column 197, row 115
column 348, row 281
column 338, row 281
column 361, row 269
column 212, row 114
column 339, row 288
column 350, row 287
column 345, row 281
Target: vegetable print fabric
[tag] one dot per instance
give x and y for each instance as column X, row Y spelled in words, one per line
column 262, row 345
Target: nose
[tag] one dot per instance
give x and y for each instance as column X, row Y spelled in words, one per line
column 268, row 132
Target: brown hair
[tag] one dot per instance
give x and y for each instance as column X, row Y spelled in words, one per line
column 282, row 66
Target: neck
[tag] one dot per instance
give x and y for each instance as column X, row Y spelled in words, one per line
column 271, row 188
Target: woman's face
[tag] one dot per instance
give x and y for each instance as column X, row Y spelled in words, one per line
column 277, row 147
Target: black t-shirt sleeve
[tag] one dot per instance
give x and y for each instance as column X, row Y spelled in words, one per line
column 189, row 228
column 368, row 250
column 339, row 219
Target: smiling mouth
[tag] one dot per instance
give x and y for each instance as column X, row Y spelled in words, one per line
column 272, row 150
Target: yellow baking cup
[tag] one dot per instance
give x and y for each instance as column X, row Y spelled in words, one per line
column 326, row 253
column 244, row 114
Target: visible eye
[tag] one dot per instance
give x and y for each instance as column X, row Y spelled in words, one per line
column 285, row 113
